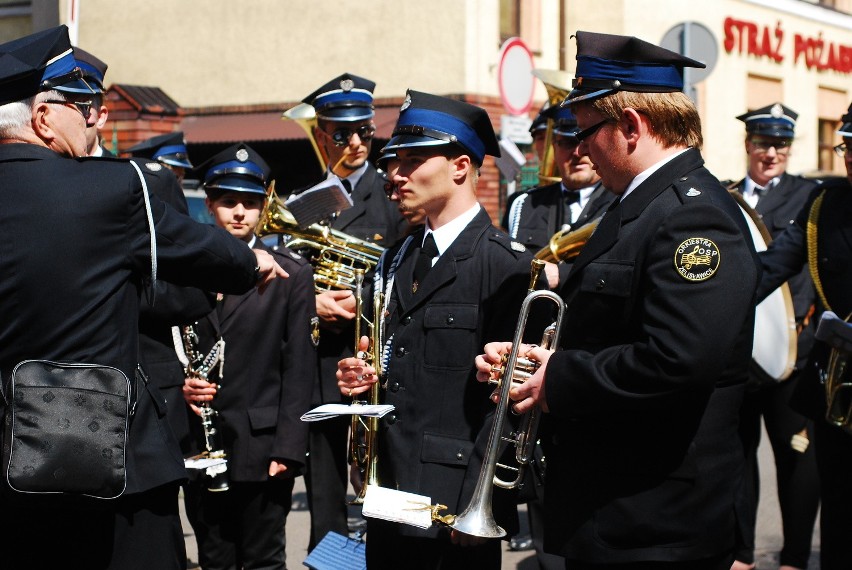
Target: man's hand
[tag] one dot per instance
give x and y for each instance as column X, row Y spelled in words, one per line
column 354, row 376
column 197, row 390
column 551, row 270
column 336, row 306
column 267, row 269
column 278, row 469
column 530, row 393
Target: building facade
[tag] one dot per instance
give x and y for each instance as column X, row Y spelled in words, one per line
column 233, row 67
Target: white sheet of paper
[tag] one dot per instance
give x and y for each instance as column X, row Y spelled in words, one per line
column 397, row 506
column 327, row 411
column 203, row 462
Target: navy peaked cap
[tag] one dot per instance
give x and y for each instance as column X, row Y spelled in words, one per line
column 347, row 97
column 607, row 63
column 774, row 120
column 238, row 168
column 93, row 68
column 39, row 62
column 431, row 120
column 169, row 148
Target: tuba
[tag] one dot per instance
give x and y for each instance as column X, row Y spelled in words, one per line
column 363, row 443
column 198, row 365
column 478, row 518
column 558, row 85
column 305, row 116
column 334, row 255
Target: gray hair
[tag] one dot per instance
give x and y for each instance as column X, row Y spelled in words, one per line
column 16, row 117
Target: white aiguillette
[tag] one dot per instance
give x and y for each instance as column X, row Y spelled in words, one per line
column 398, row 506
column 327, row 411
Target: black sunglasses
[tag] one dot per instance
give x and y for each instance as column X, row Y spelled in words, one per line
column 340, row 137
column 85, row 107
column 586, row 133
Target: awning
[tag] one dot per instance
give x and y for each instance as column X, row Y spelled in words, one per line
column 265, row 126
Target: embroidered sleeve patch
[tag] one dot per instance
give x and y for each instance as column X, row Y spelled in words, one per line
column 697, row 259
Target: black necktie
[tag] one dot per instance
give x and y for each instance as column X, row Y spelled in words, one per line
column 424, row 261
column 569, row 197
column 347, row 185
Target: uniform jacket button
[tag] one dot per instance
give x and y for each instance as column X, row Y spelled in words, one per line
column 459, row 455
column 393, row 386
column 600, row 284
column 406, row 320
column 400, row 351
column 450, row 319
column 391, row 419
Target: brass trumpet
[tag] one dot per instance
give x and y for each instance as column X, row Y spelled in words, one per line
column 837, row 333
column 363, row 442
column 478, row 518
column 558, row 85
column 566, row 245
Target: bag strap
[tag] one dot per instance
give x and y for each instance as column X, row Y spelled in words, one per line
column 150, row 215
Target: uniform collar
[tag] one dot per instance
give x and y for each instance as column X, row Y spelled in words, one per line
column 447, row 234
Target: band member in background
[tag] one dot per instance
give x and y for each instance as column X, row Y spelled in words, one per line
column 826, row 242
column 74, row 290
column 94, row 71
column 534, row 216
column 449, row 288
column 168, row 149
column 778, row 197
column 266, row 384
column 644, row 396
column 344, row 132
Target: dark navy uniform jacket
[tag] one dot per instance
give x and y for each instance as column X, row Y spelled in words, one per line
column 433, row 442
column 74, row 252
column 269, row 370
column 646, row 393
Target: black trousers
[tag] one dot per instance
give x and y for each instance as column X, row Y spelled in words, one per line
column 243, row 527
column 796, row 473
column 327, row 477
column 387, row 550
column 834, row 458
column 135, row 532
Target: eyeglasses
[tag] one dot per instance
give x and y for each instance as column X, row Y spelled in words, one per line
column 566, row 142
column 85, row 107
column 340, row 137
column 781, row 146
column 842, row 150
column 586, row 133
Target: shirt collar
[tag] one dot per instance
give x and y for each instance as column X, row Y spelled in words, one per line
column 447, row 234
column 353, row 178
column 645, row 174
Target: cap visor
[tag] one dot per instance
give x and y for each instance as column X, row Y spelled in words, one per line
column 576, row 96
column 406, row 141
column 347, row 114
column 235, row 184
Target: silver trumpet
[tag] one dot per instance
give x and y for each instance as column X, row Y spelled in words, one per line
column 478, row 518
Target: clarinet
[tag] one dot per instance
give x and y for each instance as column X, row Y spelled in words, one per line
column 199, row 365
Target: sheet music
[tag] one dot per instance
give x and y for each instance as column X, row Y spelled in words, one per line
column 398, row 506
column 327, row 411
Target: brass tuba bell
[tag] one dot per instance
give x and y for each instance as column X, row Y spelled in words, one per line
column 558, row 85
column 566, row 245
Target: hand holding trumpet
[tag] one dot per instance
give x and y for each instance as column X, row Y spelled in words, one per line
column 354, row 375
column 526, row 395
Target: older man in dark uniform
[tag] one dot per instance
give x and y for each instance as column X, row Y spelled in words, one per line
column 778, row 197
column 449, row 287
column 820, row 237
column 74, row 272
column 536, row 215
column 344, row 132
column 645, row 393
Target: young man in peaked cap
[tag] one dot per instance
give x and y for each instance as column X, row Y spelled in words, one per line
column 94, row 71
column 264, row 388
column 778, row 197
column 450, row 287
column 168, row 149
column 75, row 291
column 819, row 238
column 344, row 132
column 645, row 391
